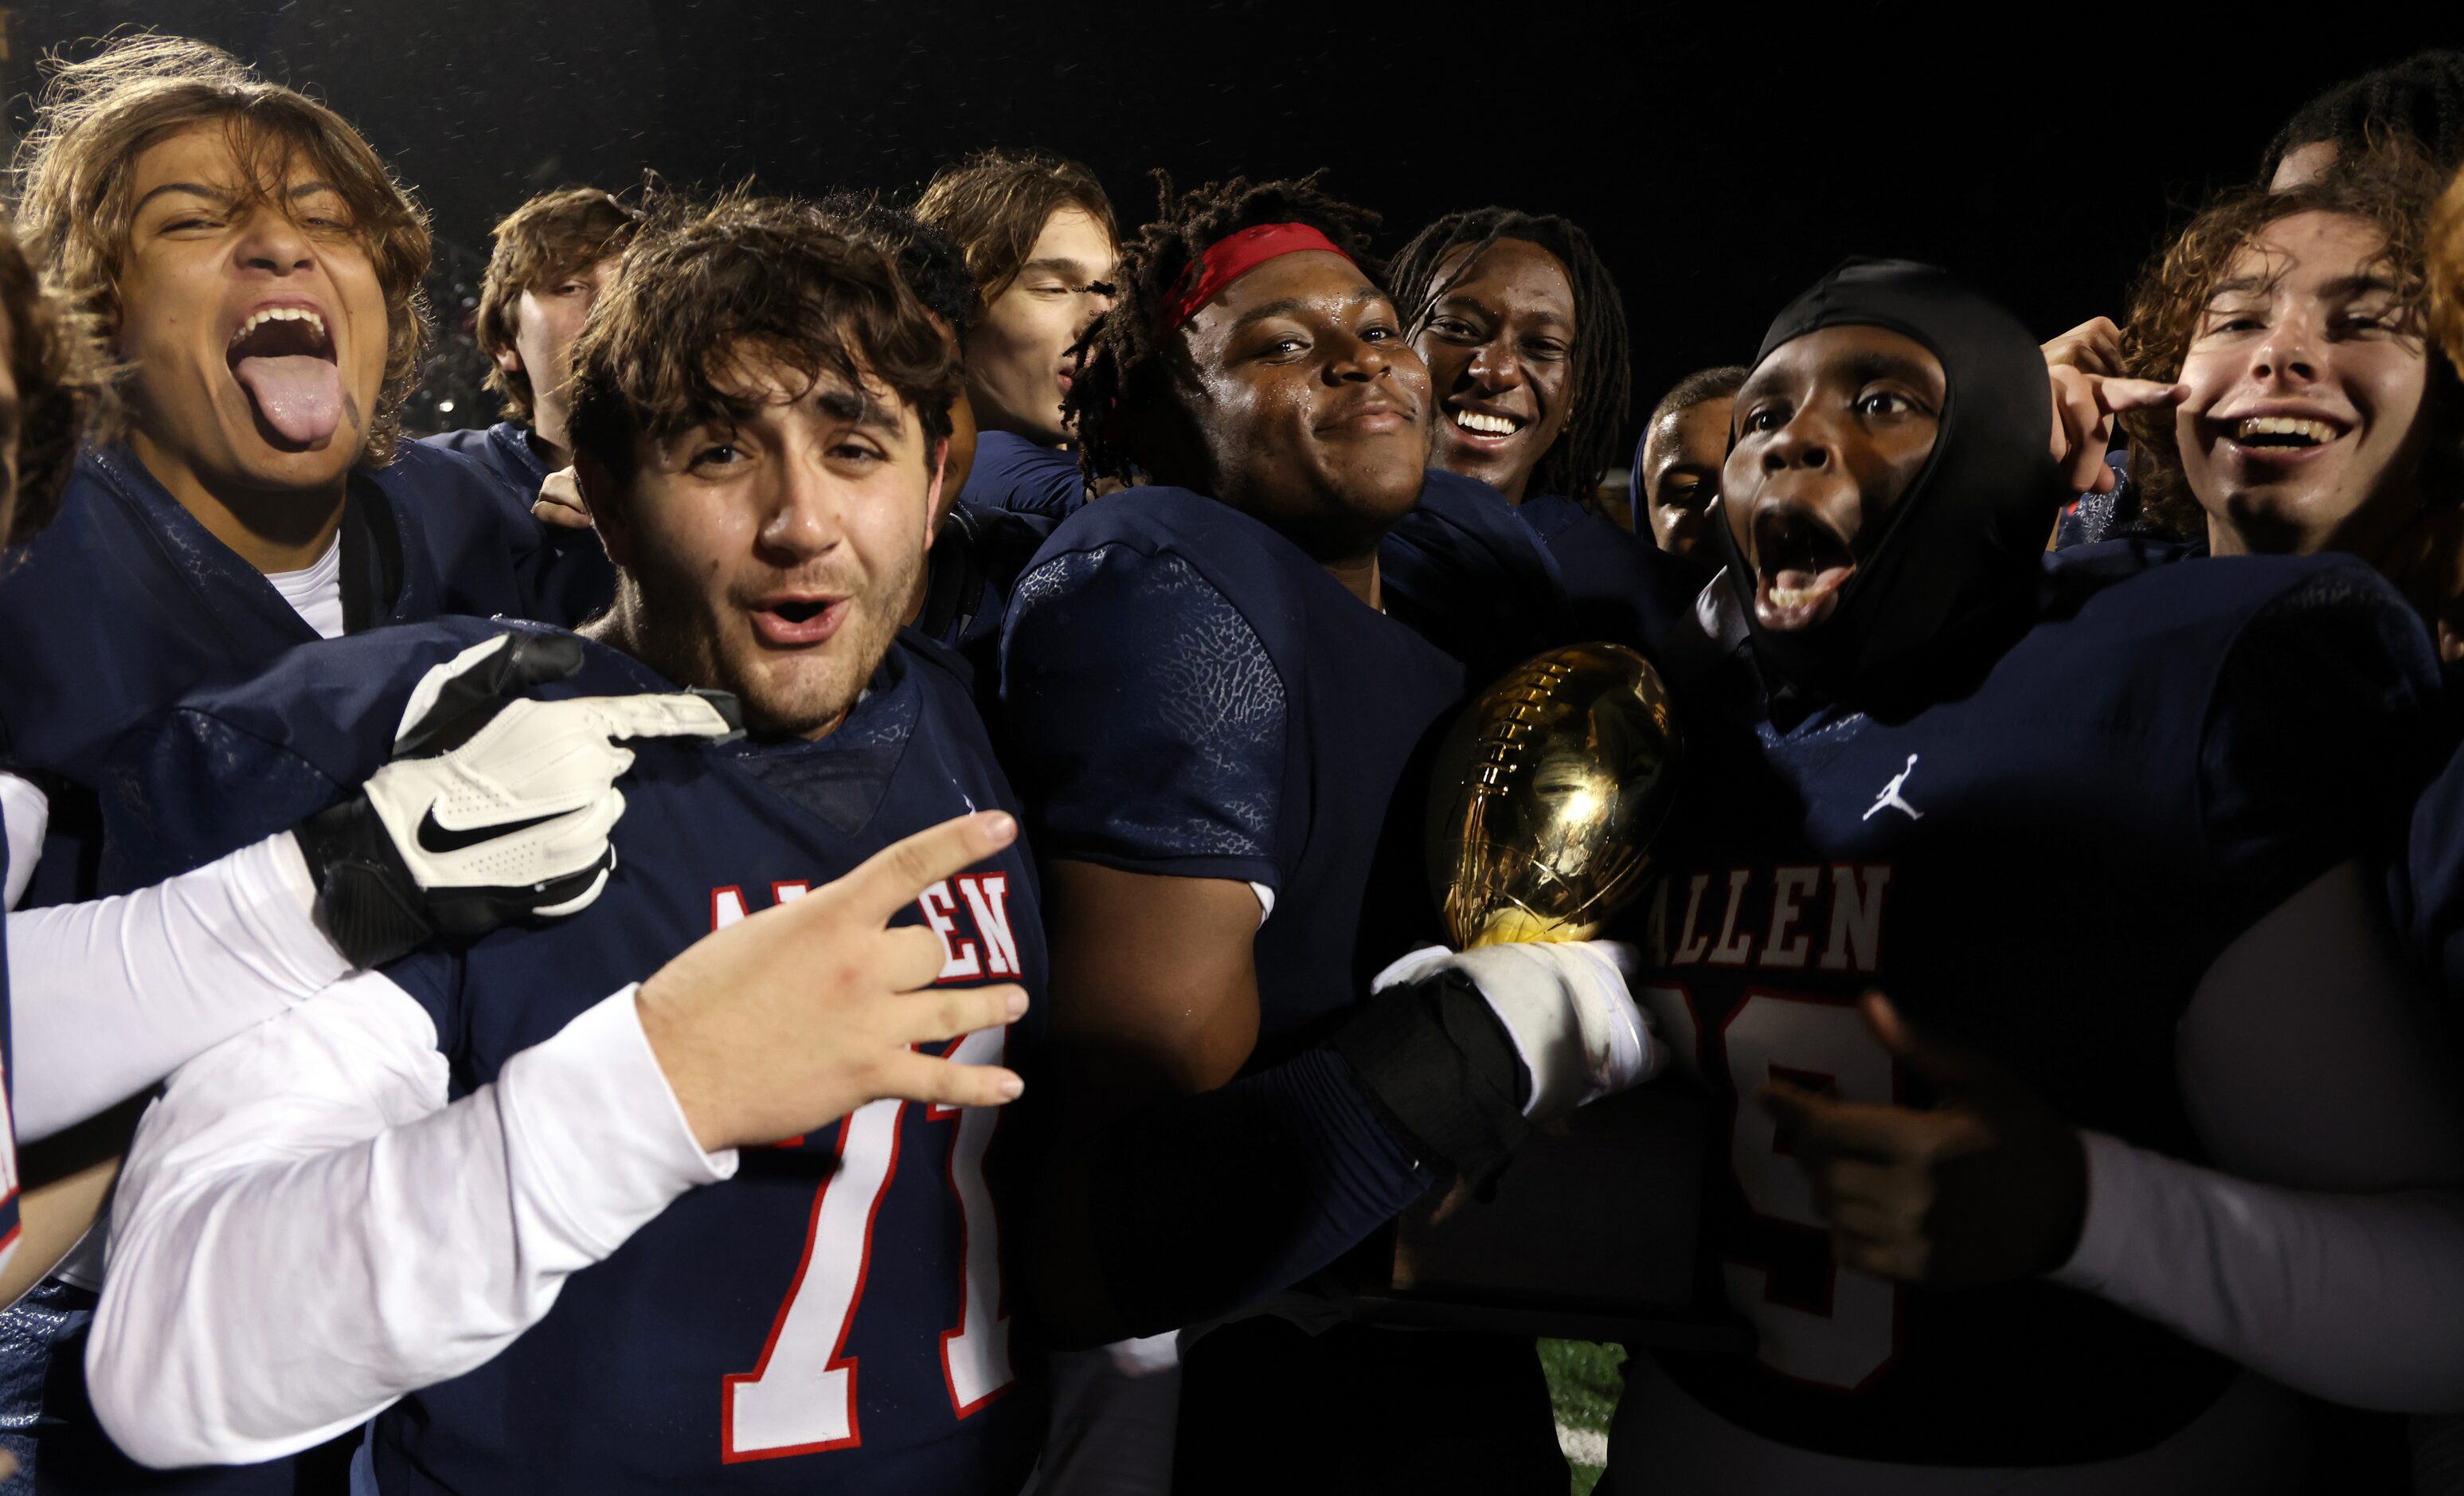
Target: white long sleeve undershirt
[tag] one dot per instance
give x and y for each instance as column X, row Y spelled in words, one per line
column 306, row 1230
column 2326, row 1252
column 108, row 997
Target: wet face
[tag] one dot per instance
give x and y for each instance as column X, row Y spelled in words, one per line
column 1018, row 365
column 2304, row 425
column 254, row 319
column 1680, row 477
column 1831, row 430
column 1303, row 405
column 775, row 558
column 546, row 320
column 1499, row 344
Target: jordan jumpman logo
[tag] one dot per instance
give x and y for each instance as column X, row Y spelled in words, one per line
column 1890, row 796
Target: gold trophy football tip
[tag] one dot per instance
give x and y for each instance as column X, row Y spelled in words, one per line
column 1546, row 795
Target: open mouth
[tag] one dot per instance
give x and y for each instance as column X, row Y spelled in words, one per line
column 284, row 357
column 1487, row 426
column 1800, row 565
column 795, row 623
column 2282, row 433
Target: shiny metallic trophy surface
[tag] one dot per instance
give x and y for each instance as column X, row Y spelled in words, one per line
column 1542, row 809
column 1547, row 794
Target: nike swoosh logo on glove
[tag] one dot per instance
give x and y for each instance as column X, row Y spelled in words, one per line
column 438, row 839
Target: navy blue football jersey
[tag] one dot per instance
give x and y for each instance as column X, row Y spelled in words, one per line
column 2193, row 743
column 971, row 571
column 504, row 451
column 834, row 1318
column 1013, row 473
column 1622, row 588
column 1186, row 693
column 133, row 603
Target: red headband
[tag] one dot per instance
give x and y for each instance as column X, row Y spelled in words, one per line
column 1229, row 258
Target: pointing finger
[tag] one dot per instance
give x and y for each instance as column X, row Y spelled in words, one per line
column 667, row 714
column 2117, row 395
column 898, row 876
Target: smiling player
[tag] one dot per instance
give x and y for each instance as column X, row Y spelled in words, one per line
column 1922, row 742
column 246, row 258
column 656, row 1242
column 1524, row 337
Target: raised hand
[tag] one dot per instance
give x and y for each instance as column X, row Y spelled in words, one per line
column 1985, row 1187
column 494, row 807
column 560, row 504
column 2084, row 405
column 2092, row 347
column 787, row 1020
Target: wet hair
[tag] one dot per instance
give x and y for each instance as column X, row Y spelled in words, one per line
column 996, row 204
column 74, row 174
column 2445, row 263
column 59, row 393
column 2391, row 188
column 555, row 234
column 2420, row 99
column 1719, row 381
column 706, row 288
column 1121, row 370
column 1602, row 377
column 930, row 261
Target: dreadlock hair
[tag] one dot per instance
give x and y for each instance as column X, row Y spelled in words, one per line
column 929, row 259
column 1121, row 370
column 1602, row 383
column 2421, row 99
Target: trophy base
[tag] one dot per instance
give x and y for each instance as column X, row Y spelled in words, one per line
column 1591, row 1235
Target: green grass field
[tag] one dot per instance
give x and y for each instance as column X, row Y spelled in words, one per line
column 1584, row 1380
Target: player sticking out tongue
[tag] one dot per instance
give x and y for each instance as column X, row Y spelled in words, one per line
column 284, row 357
column 1889, row 491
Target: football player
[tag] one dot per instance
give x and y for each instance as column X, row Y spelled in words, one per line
column 249, row 261
column 1525, row 339
column 667, row 1239
column 1039, row 240
column 1217, row 687
column 552, row 257
column 1923, row 741
column 1677, row 467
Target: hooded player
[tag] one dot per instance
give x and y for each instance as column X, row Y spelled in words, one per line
column 1919, row 744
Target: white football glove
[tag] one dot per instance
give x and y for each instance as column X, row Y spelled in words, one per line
column 1566, row 1006
column 495, row 807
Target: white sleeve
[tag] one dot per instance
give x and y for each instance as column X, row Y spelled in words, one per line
column 2331, row 1257
column 108, row 997
column 28, row 814
column 305, row 1230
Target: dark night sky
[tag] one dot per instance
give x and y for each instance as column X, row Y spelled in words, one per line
column 1722, row 155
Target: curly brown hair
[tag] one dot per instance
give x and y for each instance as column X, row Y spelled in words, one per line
column 995, row 202
column 1120, row 367
column 2445, row 255
column 59, row 394
column 72, row 178
column 553, row 235
column 2390, row 187
column 706, row 286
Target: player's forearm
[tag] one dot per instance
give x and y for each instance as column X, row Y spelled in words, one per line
column 1204, row 1204
column 2356, row 1298
column 109, row 997
column 287, row 1260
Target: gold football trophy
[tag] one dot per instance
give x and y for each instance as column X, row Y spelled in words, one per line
column 1542, row 809
column 1547, row 794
